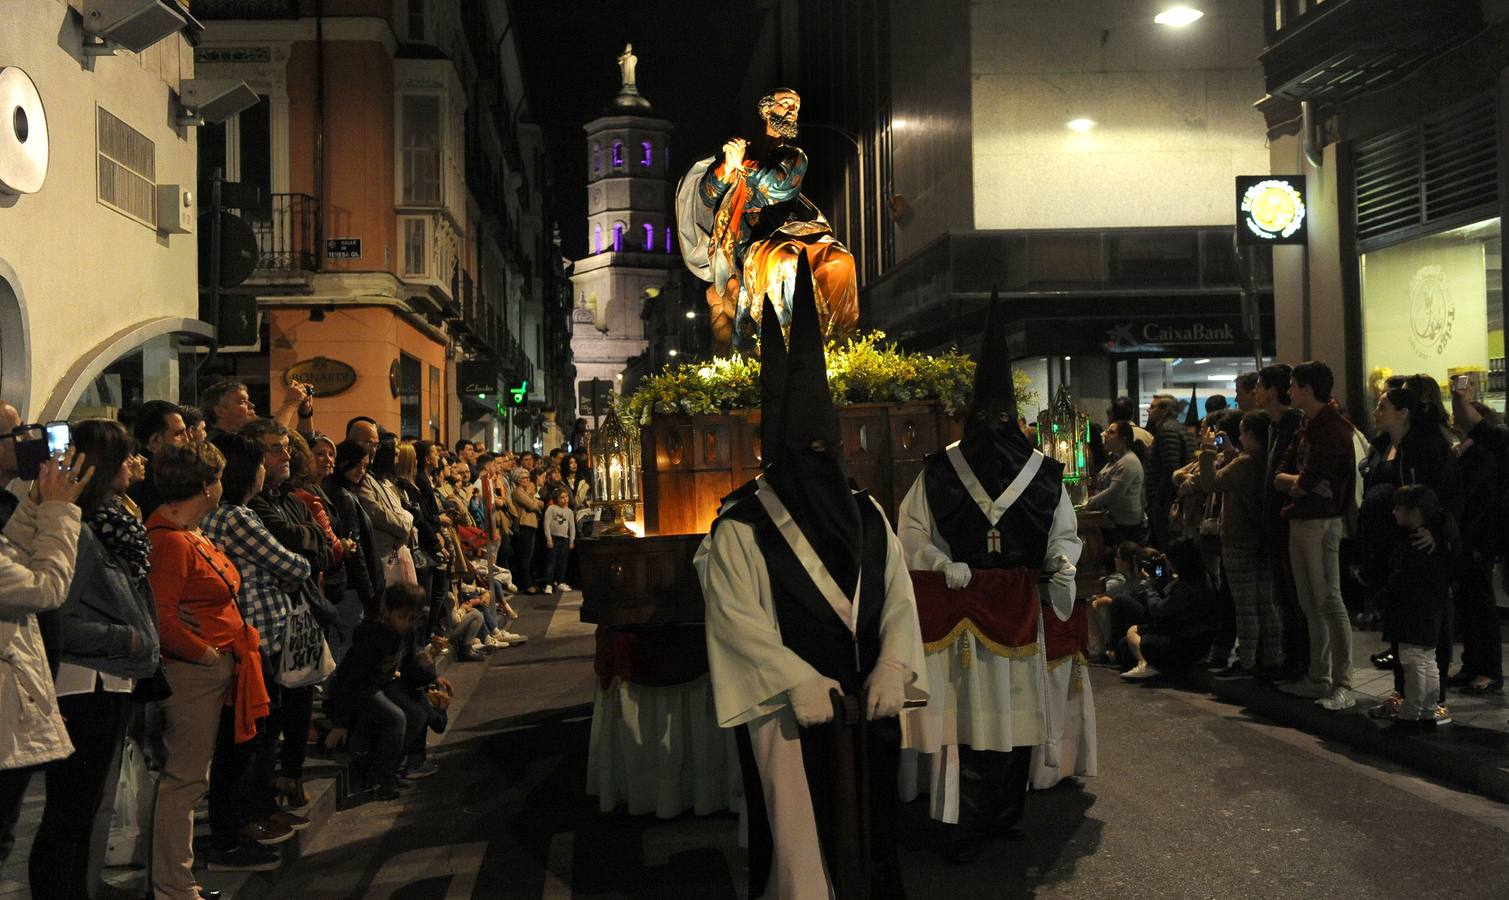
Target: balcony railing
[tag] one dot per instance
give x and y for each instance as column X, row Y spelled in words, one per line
column 244, row 9
column 287, row 232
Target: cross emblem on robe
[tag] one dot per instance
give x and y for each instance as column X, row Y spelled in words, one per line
column 993, row 541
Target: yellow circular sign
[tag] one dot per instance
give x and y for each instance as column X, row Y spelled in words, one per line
column 1273, row 209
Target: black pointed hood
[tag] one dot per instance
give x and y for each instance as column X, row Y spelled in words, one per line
column 993, row 444
column 801, row 450
column 772, row 382
column 1192, row 415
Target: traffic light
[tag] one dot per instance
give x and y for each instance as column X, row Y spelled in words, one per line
column 518, row 393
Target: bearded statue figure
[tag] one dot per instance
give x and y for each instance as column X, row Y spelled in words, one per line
column 743, row 222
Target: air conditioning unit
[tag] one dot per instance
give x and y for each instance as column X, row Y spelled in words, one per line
column 175, row 209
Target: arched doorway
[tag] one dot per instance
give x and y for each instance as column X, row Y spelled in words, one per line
column 15, row 355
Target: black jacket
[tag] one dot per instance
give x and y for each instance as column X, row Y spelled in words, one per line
column 376, row 653
column 364, row 571
column 1413, row 599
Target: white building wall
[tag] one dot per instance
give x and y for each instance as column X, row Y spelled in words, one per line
column 85, row 272
column 1172, row 106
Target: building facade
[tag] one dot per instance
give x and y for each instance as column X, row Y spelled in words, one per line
column 1077, row 158
column 98, row 303
column 1396, row 114
column 404, row 224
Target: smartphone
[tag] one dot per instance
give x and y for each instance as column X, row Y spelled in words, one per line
column 1220, row 442
column 59, row 436
column 1459, row 383
column 31, row 452
column 1158, row 569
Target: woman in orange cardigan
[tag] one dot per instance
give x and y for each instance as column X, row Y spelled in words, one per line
column 211, row 659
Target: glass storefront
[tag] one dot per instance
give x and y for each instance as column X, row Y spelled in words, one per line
column 1434, row 305
column 1206, row 376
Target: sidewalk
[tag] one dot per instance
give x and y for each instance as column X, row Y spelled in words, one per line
column 1472, row 752
column 123, row 882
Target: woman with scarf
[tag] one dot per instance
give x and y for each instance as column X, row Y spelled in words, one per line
column 108, row 638
column 213, row 663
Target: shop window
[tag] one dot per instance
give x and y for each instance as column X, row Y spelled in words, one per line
column 434, row 433
column 409, row 373
column 1434, row 305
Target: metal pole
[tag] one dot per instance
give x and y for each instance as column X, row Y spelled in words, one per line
column 216, row 178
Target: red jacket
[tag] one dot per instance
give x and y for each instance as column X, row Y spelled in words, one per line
column 1321, row 454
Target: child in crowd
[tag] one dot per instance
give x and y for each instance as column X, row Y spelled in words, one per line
column 375, row 696
column 1413, row 600
column 560, row 539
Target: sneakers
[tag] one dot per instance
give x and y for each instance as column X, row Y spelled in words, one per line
column 423, row 770
column 549, row 589
column 245, row 857
column 563, row 587
column 510, row 637
column 1310, row 690
column 1442, row 716
column 1388, row 709
column 1139, row 672
column 1337, row 700
column 267, row 832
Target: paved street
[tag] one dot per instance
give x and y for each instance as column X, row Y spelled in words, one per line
column 1196, row 800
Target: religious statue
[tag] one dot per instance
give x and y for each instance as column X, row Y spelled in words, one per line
column 743, row 222
column 626, row 63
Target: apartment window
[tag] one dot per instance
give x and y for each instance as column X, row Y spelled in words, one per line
column 127, row 169
column 421, row 149
column 416, row 246
column 414, row 17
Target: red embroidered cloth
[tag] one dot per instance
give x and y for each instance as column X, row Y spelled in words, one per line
column 1000, row 606
column 651, row 656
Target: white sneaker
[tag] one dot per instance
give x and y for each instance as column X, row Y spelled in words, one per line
column 563, row 587
column 498, row 639
column 549, row 589
column 512, row 637
column 477, row 646
column 1338, row 699
column 1139, row 672
column 511, row 588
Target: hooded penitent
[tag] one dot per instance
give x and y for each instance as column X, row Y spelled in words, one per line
column 993, row 444
column 1192, row 414
column 799, row 434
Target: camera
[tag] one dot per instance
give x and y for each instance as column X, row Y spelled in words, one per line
column 59, row 436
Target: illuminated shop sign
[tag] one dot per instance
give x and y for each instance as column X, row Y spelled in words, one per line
column 1271, row 209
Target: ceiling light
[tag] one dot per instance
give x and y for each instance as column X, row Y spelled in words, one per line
column 691, row 314
column 1081, row 125
column 1178, row 16
column 1201, row 362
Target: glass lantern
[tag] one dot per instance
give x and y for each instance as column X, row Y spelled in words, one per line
column 614, row 453
column 1063, row 434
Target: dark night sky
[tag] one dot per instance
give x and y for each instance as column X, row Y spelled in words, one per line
column 692, row 57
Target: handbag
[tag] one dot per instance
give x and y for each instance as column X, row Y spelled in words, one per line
column 155, row 688
column 398, row 568
column 306, row 658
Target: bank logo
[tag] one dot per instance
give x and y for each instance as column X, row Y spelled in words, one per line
column 1273, row 209
column 1129, row 336
column 1432, row 312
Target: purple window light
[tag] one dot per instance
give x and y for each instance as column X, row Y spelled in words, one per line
column 668, row 240
column 618, row 154
column 597, row 239
column 649, row 237
column 649, row 155
column 618, row 238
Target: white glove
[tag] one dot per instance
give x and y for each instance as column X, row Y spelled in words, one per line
column 885, row 689
column 957, row 576
column 810, row 701
column 1063, row 575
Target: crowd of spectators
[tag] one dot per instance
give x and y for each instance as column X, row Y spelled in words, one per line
column 223, row 590
column 1252, row 540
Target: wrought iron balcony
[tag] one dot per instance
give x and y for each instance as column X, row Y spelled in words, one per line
column 1333, row 50
column 244, row 9
column 287, row 232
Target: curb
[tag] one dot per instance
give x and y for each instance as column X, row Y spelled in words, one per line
column 1476, row 759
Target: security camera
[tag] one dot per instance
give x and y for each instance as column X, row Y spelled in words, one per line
column 132, row 24
column 209, row 101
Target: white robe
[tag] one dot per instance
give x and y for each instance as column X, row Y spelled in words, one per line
column 996, row 703
column 752, row 670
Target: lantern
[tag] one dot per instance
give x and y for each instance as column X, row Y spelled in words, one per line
column 1063, row 433
column 614, row 453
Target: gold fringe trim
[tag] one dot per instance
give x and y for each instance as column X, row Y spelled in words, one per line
column 957, row 634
